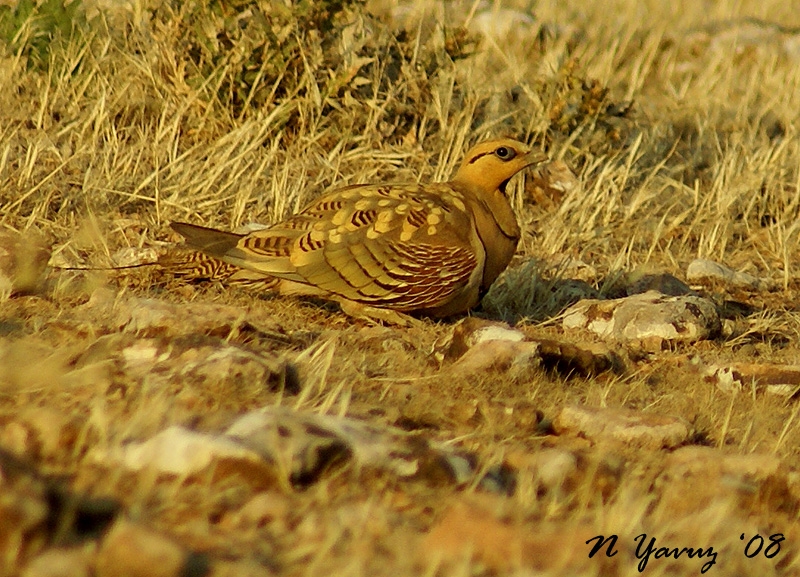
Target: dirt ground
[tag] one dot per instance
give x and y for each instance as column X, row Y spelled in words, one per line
column 152, row 424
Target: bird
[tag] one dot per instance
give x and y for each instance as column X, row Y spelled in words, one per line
column 386, row 251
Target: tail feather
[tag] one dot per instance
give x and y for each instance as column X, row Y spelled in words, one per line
column 213, row 242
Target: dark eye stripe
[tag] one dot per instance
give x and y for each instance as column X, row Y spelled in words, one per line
column 475, row 158
column 504, row 153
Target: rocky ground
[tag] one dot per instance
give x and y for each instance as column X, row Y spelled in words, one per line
column 624, row 400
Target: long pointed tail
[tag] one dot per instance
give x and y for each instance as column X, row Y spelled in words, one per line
column 211, row 241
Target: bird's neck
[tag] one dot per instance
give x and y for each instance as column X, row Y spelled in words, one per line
column 498, row 207
column 498, row 230
column 493, row 203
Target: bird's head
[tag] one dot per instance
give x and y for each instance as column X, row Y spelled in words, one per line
column 489, row 166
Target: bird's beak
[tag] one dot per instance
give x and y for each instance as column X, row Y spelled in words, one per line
column 530, row 158
column 535, row 157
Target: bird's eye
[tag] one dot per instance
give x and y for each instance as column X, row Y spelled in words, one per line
column 505, row 153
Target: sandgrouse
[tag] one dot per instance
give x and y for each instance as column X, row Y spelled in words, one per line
column 428, row 249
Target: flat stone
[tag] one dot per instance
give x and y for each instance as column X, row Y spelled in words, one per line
column 309, row 445
column 696, row 459
column 554, row 467
column 472, row 331
column 703, row 270
column 480, row 346
column 471, row 529
column 781, row 380
column 72, row 562
column 650, row 319
column 131, row 550
column 271, row 447
column 499, row 356
column 218, row 364
column 695, row 478
column 179, row 452
column 631, row 428
column 553, row 470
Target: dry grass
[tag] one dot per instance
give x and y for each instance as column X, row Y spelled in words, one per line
column 142, row 114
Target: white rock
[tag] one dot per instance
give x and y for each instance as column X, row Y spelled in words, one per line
column 496, row 332
column 473, row 331
column 648, row 317
column 633, row 428
column 783, row 380
column 554, row 466
column 290, row 434
column 515, row 357
column 181, row 452
column 140, row 358
column 702, row 269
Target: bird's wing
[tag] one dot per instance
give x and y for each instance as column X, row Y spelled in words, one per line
column 405, row 247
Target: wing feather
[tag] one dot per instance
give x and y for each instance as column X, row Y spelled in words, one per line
column 405, row 246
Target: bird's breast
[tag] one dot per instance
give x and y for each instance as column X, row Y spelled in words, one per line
column 499, row 233
column 500, row 250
